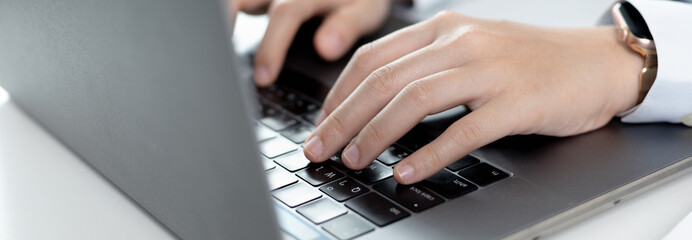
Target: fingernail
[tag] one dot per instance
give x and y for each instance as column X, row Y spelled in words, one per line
column 261, row 75
column 320, row 117
column 314, row 147
column 405, row 172
column 351, row 155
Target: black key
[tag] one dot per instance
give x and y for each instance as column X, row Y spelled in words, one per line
column 298, row 133
column 288, row 102
column 276, row 147
column 290, row 96
column 377, row 209
column 279, row 121
column 311, row 116
column 267, row 164
column 344, row 189
column 273, row 93
column 296, row 194
column 372, row 173
column 299, row 104
column 321, row 210
column 265, row 90
column 448, row 185
column 337, row 162
column 264, row 133
column 267, row 109
column 483, row 174
column 279, row 178
column 413, row 197
column 317, row 175
column 293, row 161
column 393, row 154
column 347, row 227
column 466, row 161
column 416, row 138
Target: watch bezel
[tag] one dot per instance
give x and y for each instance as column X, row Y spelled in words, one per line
column 624, row 16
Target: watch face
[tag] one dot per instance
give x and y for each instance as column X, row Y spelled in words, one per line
column 635, row 21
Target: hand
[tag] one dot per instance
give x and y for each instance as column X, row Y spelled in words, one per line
column 516, row 79
column 344, row 22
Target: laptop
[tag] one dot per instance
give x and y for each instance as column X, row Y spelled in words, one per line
column 151, row 94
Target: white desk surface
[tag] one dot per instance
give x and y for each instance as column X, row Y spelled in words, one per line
column 46, row 192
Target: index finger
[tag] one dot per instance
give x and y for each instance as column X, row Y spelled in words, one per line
column 373, row 56
column 480, row 127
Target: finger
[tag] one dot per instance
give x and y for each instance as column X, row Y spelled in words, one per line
column 372, row 56
column 371, row 96
column 342, row 28
column 480, row 127
column 285, row 17
column 426, row 96
column 252, row 6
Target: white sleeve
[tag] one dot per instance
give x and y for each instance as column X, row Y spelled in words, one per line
column 670, row 97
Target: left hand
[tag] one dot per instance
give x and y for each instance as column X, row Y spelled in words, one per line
column 345, row 21
column 516, row 79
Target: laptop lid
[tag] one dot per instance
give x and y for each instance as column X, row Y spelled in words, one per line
column 146, row 92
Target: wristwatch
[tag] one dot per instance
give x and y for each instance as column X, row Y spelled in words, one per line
column 634, row 32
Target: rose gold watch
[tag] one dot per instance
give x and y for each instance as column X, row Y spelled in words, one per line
column 633, row 31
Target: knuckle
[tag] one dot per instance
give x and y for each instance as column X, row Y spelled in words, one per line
column 445, row 15
column 373, row 134
column 362, row 57
column 420, row 94
column 474, row 41
column 382, row 80
column 476, row 34
column 363, row 50
column 447, row 18
column 433, row 159
column 467, row 135
column 469, row 36
column 338, row 124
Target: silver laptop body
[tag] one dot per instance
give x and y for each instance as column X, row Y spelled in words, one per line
column 148, row 92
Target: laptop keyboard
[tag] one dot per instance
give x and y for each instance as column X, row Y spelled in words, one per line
column 344, row 202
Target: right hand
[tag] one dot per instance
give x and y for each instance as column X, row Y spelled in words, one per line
column 517, row 79
column 344, row 22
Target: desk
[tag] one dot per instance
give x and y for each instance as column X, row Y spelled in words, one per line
column 46, row 192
